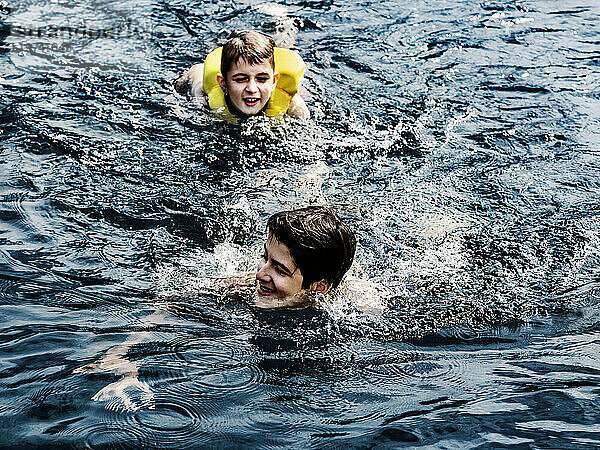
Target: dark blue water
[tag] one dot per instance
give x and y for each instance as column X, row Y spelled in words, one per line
column 459, row 139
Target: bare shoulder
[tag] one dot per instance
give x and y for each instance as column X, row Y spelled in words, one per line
column 298, row 108
column 190, row 82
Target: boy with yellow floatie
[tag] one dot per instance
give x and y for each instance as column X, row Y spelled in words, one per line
column 246, row 77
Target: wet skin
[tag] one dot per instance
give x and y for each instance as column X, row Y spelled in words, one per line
column 279, row 280
column 249, row 86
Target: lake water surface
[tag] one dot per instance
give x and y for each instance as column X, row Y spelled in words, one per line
column 459, row 139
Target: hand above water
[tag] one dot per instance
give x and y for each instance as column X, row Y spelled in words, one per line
column 190, row 83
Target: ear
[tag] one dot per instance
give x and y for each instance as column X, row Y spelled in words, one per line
column 222, row 82
column 322, row 286
column 275, row 77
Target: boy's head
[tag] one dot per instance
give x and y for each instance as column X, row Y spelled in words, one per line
column 307, row 249
column 248, row 75
column 250, row 46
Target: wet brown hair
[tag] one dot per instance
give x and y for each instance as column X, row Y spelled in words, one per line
column 252, row 46
column 321, row 245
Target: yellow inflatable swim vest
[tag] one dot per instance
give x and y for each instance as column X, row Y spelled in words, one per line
column 288, row 63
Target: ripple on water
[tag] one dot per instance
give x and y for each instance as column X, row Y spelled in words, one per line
column 111, row 437
column 55, row 410
column 205, row 401
column 166, row 417
column 175, row 419
column 229, row 396
column 183, row 416
column 418, row 367
column 216, row 366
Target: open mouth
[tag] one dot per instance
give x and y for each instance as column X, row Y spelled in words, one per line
column 263, row 290
column 251, row 101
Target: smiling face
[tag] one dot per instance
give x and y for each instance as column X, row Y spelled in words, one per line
column 249, row 86
column 278, row 279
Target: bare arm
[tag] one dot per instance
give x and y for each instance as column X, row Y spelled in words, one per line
column 298, row 108
column 240, row 286
column 115, row 360
column 190, row 82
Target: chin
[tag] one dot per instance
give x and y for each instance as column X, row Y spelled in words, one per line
column 250, row 110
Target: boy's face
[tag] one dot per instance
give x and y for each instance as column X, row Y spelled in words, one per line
column 278, row 279
column 249, row 85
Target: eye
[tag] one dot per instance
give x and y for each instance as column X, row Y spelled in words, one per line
column 262, row 79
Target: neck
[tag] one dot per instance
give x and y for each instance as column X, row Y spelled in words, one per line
column 232, row 109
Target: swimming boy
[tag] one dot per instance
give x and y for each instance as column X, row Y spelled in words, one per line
column 248, row 76
column 308, row 251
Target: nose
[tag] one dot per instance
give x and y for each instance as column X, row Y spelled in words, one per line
column 263, row 272
column 251, row 86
